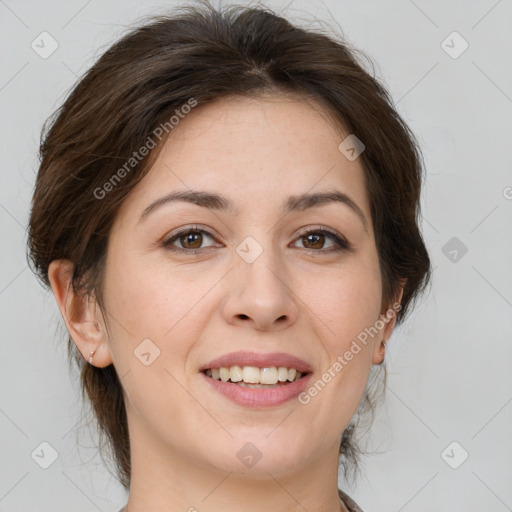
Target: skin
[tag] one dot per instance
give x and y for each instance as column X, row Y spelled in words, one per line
column 184, row 437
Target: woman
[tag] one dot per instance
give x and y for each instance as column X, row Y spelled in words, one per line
column 227, row 211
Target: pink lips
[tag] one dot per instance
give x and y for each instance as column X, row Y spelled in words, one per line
column 259, row 397
column 245, row 358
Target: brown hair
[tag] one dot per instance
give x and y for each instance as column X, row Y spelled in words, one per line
column 203, row 53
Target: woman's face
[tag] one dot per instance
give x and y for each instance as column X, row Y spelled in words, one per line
column 246, row 278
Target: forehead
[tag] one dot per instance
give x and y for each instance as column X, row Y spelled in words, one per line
column 255, row 151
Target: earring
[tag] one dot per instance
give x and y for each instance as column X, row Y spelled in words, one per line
column 92, row 355
column 383, row 350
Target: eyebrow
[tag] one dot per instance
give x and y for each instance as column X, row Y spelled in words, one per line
column 213, row 201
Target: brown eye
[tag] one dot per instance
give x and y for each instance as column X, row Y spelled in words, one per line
column 314, row 240
column 191, row 240
column 187, row 240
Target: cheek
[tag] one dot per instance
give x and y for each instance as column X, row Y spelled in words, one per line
column 348, row 305
column 136, row 294
column 166, row 306
column 154, row 320
column 345, row 315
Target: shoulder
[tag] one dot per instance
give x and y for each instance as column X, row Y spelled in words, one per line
column 349, row 502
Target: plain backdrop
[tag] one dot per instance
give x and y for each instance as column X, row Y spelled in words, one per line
column 442, row 436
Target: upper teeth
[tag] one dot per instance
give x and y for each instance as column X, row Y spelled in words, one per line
column 254, row 375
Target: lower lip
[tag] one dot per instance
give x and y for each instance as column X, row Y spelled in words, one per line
column 259, row 397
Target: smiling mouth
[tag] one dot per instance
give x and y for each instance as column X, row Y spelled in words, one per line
column 254, row 377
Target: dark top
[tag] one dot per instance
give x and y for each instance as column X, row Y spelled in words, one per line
column 349, row 502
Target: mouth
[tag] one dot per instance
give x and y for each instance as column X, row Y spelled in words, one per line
column 257, row 380
column 253, row 377
column 254, row 387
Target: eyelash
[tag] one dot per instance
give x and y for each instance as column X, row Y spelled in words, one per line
column 341, row 243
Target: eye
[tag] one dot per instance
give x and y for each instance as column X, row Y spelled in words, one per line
column 189, row 238
column 316, row 237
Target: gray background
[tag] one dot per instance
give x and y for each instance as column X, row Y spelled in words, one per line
column 449, row 365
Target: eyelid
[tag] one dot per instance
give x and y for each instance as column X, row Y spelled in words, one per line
column 187, row 228
column 315, row 229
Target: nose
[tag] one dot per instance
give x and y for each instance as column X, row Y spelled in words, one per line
column 260, row 294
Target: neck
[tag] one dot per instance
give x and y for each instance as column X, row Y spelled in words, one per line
column 173, row 481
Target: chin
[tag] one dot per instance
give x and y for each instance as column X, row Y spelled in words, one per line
column 257, row 455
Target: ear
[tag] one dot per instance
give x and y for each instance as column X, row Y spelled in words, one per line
column 388, row 318
column 81, row 314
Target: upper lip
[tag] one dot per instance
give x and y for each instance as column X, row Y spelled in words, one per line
column 246, row 358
